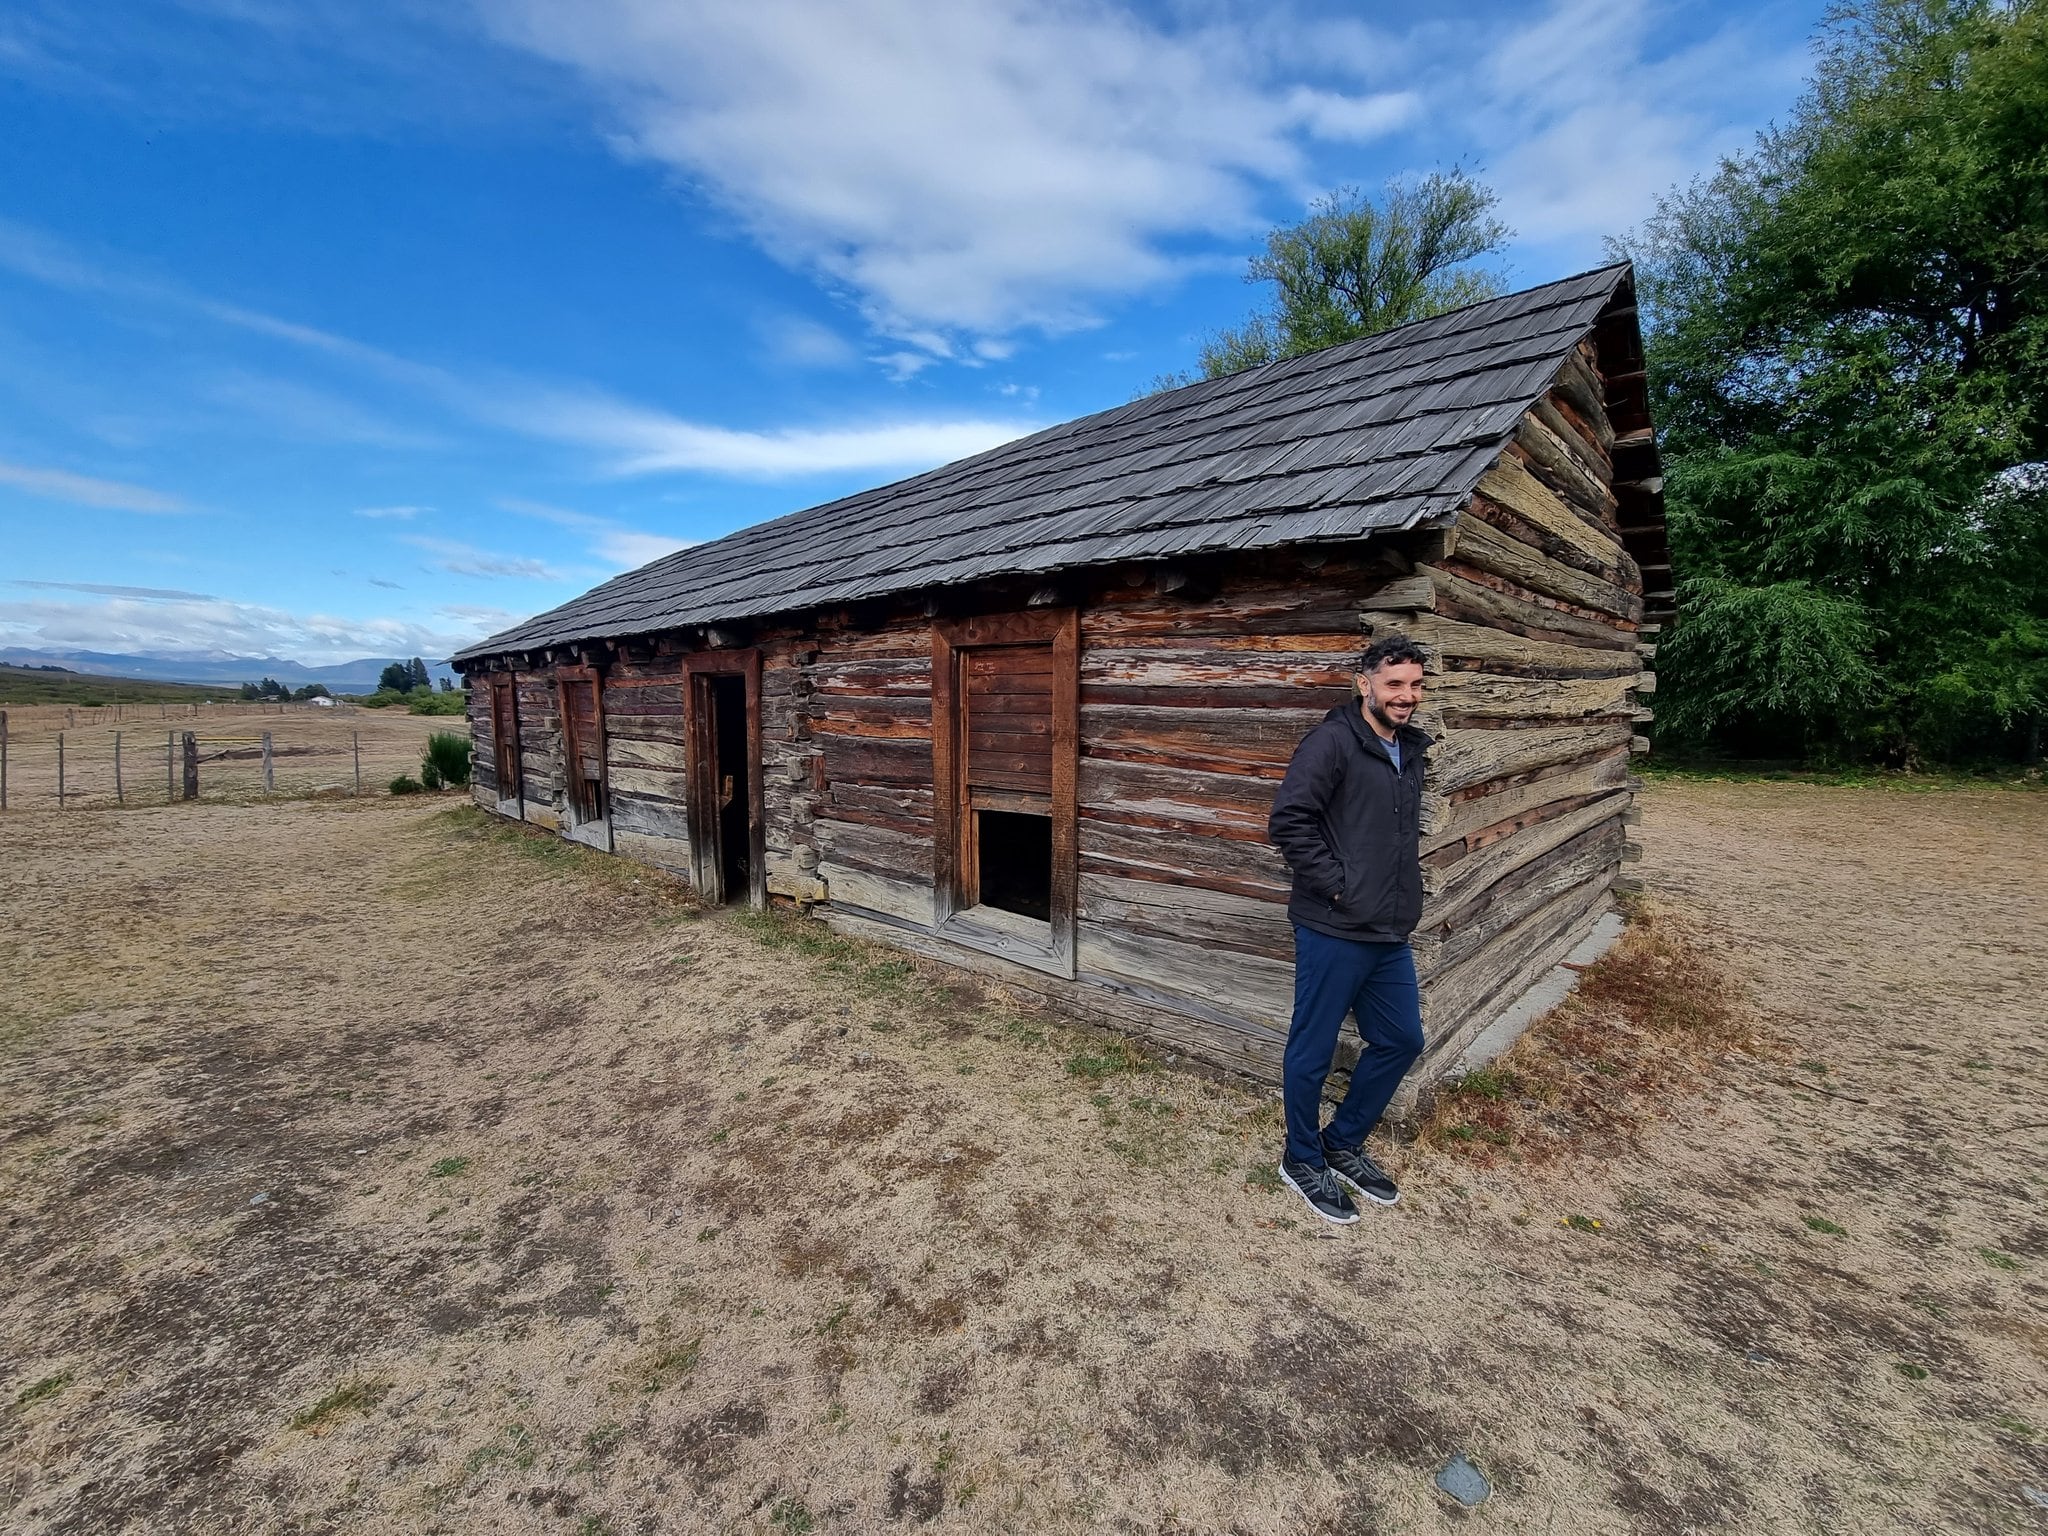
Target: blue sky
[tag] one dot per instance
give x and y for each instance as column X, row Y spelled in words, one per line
column 338, row 327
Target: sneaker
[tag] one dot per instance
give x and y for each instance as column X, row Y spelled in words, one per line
column 1320, row 1189
column 1353, row 1167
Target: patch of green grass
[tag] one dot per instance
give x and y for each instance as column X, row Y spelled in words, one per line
column 1158, row 1109
column 1580, row 1223
column 595, row 1525
column 669, row 1361
column 1978, row 1066
column 1483, row 1083
column 449, row 1168
column 515, row 1446
column 707, row 1234
column 1108, row 1059
column 358, row 1395
column 1262, row 1176
column 604, row 1439
column 1822, row 1224
column 49, row 1386
column 1819, row 1067
column 791, row 1517
column 2016, row 1426
column 1998, row 1260
column 1910, row 1371
column 719, row 1138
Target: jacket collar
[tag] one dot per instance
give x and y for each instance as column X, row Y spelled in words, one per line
column 1412, row 738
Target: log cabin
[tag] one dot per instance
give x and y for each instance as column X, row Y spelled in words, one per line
column 1025, row 713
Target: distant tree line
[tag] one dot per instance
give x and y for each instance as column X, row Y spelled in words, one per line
column 271, row 688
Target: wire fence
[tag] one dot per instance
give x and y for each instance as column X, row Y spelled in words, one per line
column 58, row 757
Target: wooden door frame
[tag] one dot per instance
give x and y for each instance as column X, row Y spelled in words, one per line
column 700, row 773
column 507, row 683
column 564, row 675
column 951, row 819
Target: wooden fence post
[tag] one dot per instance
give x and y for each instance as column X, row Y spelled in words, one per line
column 3, row 759
column 269, row 778
column 355, row 746
column 120, row 793
column 191, row 765
column 170, row 764
column 60, row 769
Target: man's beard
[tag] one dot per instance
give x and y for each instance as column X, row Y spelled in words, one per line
column 1379, row 714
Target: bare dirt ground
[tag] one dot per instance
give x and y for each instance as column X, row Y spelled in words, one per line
column 313, row 751
column 362, row 1170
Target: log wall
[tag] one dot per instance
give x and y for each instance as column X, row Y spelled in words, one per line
column 1193, row 696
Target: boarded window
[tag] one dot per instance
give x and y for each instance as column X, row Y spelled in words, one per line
column 582, row 743
column 505, row 738
column 1004, row 749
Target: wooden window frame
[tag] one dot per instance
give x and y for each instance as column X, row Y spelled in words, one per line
column 573, row 821
column 953, row 820
column 701, row 773
column 506, row 685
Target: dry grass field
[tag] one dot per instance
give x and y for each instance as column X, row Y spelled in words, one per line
column 365, row 1168
column 313, row 751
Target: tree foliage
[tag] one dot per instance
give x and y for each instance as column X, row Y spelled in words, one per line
column 397, row 677
column 1356, row 266
column 1848, row 335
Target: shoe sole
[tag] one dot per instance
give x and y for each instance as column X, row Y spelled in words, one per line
column 1365, row 1194
column 1341, row 1221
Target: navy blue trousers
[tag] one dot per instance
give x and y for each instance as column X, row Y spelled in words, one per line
column 1333, row 977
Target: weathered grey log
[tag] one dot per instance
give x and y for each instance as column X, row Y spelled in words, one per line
column 1524, row 795
column 1476, row 642
column 1497, row 695
column 3, row 759
column 1461, row 597
column 120, row 790
column 1447, row 887
column 1481, row 544
column 191, row 757
column 1514, row 488
column 269, row 777
column 1469, row 757
column 60, row 765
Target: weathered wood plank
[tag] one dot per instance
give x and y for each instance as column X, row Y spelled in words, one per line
column 1588, row 858
column 1511, row 485
column 1473, row 756
column 1497, row 650
column 1177, row 857
column 1501, row 971
column 1248, row 986
column 1480, row 544
column 1231, row 804
column 1464, row 696
column 1447, row 886
column 1221, row 739
column 1226, row 920
column 1504, row 803
column 1485, row 602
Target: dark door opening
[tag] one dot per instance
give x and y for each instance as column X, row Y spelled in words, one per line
column 1014, row 851
column 728, row 715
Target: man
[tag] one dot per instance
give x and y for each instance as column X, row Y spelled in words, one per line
column 1348, row 821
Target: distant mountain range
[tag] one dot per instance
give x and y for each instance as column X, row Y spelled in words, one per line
column 216, row 667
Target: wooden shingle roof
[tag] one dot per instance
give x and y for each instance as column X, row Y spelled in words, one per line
column 1384, row 433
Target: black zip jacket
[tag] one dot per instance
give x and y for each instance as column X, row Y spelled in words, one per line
column 1349, row 824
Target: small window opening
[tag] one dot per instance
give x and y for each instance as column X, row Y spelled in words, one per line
column 1015, row 851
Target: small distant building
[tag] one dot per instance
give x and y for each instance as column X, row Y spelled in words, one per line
column 1025, row 713
column 321, row 701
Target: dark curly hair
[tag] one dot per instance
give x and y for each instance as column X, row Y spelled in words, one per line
column 1395, row 648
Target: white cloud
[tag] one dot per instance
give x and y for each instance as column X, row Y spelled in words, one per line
column 98, row 589
column 394, row 514
column 646, row 441
column 468, row 560
column 796, row 342
column 626, row 550
column 62, row 485
column 970, row 168
column 1590, row 123
column 244, row 629
column 561, row 517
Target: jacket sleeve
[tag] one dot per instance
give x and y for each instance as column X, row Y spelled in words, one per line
column 1296, row 825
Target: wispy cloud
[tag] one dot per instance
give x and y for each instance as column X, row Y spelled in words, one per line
column 392, row 514
column 648, row 441
column 379, row 581
column 114, row 623
column 967, row 169
column 632, row 438
column 461, row 559
column 114, row 495
column 619, row 548
column 148, row 594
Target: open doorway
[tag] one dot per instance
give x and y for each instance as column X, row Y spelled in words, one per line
column 728, row 699
column 727, row 831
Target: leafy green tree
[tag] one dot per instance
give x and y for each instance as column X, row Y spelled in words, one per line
column 310, row 691
column 1356, row 266
column 397, row 677
column 416, row 670
column 1848, row 338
